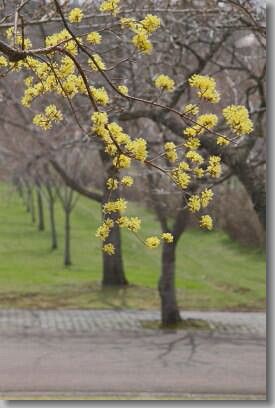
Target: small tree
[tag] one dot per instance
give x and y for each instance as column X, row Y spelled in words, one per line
column 65, row 65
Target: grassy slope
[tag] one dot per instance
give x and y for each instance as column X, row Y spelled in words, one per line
column 212, row 271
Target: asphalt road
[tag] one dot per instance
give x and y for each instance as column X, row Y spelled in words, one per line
column 119, row 362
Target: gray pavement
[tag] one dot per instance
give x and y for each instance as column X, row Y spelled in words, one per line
column 103, row 352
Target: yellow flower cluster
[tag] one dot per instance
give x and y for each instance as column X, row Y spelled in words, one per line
column 194, row 157
column 122, row 162
column 75, row 15
column 150, row 23
column 99, row 120
column 206, row 222
column 96, row 63
column 164, row 82
column 112, row 184
column 100, row 95
column 192, row 143
column 167, row 237
column 191, row 109
column 110, row 6
column 104, row 230
column 44, row 120
column 206, row 87
column 62, row 36
column 237, row 117
column 128, row 22
column 181, row 178
column 206, row 197
column 142, row 42
column 203, row 123
column 119, row 205
column 94, row 38
column 152, row 242
column 170, row 151
column 26, row 44
column 109, row 249
column 194, row 203
column 131, row 223
column 222, row 141
column 127, row 181
column 214, row 166
column 142, row 29
column 138, row 148
column 123, row 89
column 3, row 61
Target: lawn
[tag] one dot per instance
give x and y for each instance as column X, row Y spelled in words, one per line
column 212, row 271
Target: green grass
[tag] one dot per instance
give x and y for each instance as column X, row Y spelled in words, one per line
column 212, row 271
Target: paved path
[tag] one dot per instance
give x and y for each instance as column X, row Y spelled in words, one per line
column 103, row 352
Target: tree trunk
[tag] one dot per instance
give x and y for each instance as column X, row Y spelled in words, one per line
column 40, row 210
column 170, row 314
column 52, row 223
column 67, row 244
column 30, row 204
column 113, row 270
column 254, row 184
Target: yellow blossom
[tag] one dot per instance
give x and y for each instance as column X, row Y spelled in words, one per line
column 123, row 89
column 122, row 161
column 194, row 203
column 183, row 166
column 131, row 223
column 150, row 23
column 100, row 95
column 167, row 237
column 214, row 166
column 99, row 119
column 181, row 178
column 128, row 22
column 44, row 120
column 75, row 15
column 104, row 230
column 194, row 157
column 206, row 197
column 96, row 63
column 206, row 222
column 164, row 82
column 206, row 121
column 237, row 117
column 191, row 109
column 152, row 242
column 53, row 114
column 222, row 141
column 110, row 6
column 127, row 181
column 193, row 143
column 109, row 249
column 191, row 131
column 206, row 87
column 3, row 61
column 111, row 184
column 170, row 151
column 115, row 206
column 138, row 148
column 199, row 172
column 142, row 42
column 94, row 38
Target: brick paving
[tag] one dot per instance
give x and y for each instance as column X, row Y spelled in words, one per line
column 91, row 321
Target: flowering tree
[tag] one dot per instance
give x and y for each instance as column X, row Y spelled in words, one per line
column 67, row 67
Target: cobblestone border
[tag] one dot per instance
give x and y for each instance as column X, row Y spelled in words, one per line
column 90, row 321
